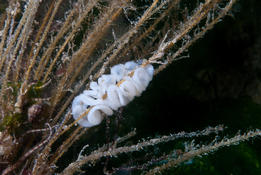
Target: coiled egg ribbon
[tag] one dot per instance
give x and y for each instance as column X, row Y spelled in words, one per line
column 111, row 92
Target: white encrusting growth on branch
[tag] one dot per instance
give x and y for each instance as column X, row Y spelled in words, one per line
column 111, row 92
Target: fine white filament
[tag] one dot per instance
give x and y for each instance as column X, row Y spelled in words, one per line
column 111, row 92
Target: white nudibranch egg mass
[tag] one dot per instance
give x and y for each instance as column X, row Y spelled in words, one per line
column 111, row 92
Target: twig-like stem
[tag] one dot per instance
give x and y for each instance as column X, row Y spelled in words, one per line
column 39, row 46
column 4, row 35
column 36, row 40
column 96, row 155
column 197, row 36
column 201, row 12
column 81, row 57
column 26, row 155
column 124, row 40
column 31, row 6
column 205, row 149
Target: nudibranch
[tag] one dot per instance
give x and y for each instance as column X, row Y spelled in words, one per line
column 111, row 92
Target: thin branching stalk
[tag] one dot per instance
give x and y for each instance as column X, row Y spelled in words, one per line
column 204, row 150
column 67, row 143
column 125, row 39
column 36, row 40
column 4, row 35
column 86, row 11
column 23, row 37
column 200, row 13
column 41, row 42
column 31, row 6
column 198, row 35
column 42, row 160
column 152, row 27
column 46, row 56
column 25, row 156
column 96, row 155
column 80, row 57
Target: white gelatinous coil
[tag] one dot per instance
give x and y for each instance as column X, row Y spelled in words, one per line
column 111, row 92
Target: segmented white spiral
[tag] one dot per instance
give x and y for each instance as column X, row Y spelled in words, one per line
column 111, row 92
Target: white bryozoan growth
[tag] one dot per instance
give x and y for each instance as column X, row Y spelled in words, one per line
column 111, row 92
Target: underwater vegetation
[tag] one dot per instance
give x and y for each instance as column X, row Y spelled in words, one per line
column 66, row 63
